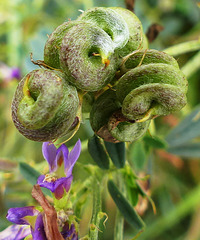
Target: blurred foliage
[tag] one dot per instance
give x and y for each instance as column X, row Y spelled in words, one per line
column 173, row 164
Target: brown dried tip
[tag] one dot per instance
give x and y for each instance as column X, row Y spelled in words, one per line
column 106, row 62
column 130, row 4
column 153, row 31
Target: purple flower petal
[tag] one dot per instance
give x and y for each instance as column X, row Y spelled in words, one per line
column 73, row 157
column 62, row 154
column 57, row 186
column 66, row 232
column 16, row 215
column 65, row 184
column 15, row 73
column 15, row 232
column 49, row 153
column 38, row 232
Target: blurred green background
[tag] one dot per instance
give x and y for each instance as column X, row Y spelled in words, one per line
column 174, row 183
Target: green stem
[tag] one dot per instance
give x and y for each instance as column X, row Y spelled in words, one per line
column 186, row 206
column 183, row 48
column 192, row 65
column 95, row 221
column 119, row 220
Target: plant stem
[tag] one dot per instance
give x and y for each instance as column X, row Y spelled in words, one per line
column 119, row 220
column 183, row 48
column 192, row 65
column 186, row 206
column 95, row 221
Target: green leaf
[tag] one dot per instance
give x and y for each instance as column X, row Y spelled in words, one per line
column 98, row 153
column 116, row 152
column 133, row 195
column 31, row 175
column 186, row 150
column 138, row 155
column 125, row 207
column 188, row 129
column 155, row 142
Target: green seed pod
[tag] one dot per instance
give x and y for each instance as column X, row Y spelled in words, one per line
column 149, row 90
column 143, row 57
column 128, row 131
column 110, row 21
column 44, row 106
column 137, row 39
column 88, row 100
column 87, row 57
column 108, row 122
column 53, row 44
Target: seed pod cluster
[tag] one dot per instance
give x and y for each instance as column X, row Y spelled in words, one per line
column 103, row 47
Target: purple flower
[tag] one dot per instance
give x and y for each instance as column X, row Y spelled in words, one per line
column 69, row 232
column 15, row 232
column 7, row 73
column 54, row 181
column 19, row 216
column 38, row 232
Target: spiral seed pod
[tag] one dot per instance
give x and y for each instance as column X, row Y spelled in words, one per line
column 108, row 122
column 53, row 44
column 88, row 100
column 87, row 57
column 153, row 89
column 143, row 57
column 44, row 106
column 110, row 21
column 137, row 38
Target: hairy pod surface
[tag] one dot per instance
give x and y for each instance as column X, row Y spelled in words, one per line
column 153, row 89
column 143, row 57
column 44, row 106
column 137, row 38
column 84, row 54
column 110, row 21
column 109, row 123
column 53, row 44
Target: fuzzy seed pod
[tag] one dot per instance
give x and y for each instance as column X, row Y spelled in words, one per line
column 87, row 57
column 44, row 106
column 110, row 21
column 137, row 38
column 109, row 123
column 53, row 44
column 157, row 87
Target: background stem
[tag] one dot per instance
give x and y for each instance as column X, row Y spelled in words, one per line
column 119, row 220
column 95, row 221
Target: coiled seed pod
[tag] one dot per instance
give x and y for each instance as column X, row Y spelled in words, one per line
column 108, row 122
column 149, row 90
column 53, row 44
column 143, row 57
column 44, row 106
column 137, row 38
column 84, row 57
column 110, row 21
